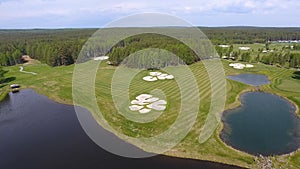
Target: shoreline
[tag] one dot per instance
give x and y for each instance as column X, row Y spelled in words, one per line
column 238, row 103
column 233, row 105
column 165, row 154
column 3, row 95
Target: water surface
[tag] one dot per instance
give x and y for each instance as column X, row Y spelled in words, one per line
column 265, row 124
column 250, row 79
column 36, row 132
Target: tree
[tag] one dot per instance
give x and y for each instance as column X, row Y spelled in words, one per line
column 294, row 60
column 245, row 57
column 267, row 46
column 1, row 75
column 17, row 56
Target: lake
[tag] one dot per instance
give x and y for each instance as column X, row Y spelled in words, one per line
column 36, row 132
column 265, row 124
column 250, row 79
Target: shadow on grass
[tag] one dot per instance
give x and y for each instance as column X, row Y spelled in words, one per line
column 2, row 85
column 296, row 75
column 9, row 79
column 4, row 81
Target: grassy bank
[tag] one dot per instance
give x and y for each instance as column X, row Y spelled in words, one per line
column 3, row 94
column 56, row 83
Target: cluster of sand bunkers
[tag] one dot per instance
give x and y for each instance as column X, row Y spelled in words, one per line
column 144, row 103
column 240, row 65
column 154, row 76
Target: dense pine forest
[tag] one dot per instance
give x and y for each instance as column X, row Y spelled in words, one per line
column 250, row 35
column 150, row 59
column 62, row 46
column 53, row 47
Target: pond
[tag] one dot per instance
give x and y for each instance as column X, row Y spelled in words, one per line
column 36, row 132
column 250, row 79
column 265, row 124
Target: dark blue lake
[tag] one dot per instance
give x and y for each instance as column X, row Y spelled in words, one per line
column 250, row 79
column 265, row 124
column 38, row 133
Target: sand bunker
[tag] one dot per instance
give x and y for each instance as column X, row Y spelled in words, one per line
column 101, row 58
column 149, row 78
column 159, row 105
column 224, row 46
column 249, row 66
column 244, row 48
column 154, row 76
column 144, row 111
column 135, row 107
column 240, row 65
column 144, row 103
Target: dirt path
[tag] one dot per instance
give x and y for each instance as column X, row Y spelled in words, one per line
column 22, row 70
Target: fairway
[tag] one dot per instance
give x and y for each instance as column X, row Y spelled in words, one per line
column 56, row 83
column 289, row 85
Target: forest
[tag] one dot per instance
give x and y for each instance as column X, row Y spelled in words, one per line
column 62, row 46
column 250, row 35
column 53, row 47
column 1, row 74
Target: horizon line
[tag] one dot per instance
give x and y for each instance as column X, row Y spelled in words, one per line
column 230, row 26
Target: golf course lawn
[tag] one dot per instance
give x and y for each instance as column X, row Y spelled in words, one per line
column 56, row 83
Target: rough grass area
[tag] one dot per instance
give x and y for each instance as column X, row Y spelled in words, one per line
column 56, row 83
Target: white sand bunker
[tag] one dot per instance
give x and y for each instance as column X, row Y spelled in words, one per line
column 240, row 65
column 144, row 103
column 224, row 46
column 154, row 76
column 244, row 48
column 101, row 58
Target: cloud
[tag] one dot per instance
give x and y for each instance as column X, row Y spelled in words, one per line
column 69, row 13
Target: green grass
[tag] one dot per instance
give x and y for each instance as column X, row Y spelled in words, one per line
column 56, row 83
column 295, row 160
column 289, row 85
column 3, row 94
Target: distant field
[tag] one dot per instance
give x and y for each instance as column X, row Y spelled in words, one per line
column 56, row 83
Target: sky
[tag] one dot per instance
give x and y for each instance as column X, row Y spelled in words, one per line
column 24, row 14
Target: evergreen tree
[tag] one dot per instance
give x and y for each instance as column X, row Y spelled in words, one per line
column 1, row 75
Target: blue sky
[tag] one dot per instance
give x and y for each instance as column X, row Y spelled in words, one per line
column 97, row 13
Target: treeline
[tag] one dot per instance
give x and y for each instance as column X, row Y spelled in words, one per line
column 249, row 35
column 53, row 47
column 151, row 57
column 62, row 46
column 287, row 56
column 290, row 60
column 2, row 72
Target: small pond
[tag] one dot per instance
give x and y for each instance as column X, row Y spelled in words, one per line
column 265, row 124
column 36, row 132
column 250, row 79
